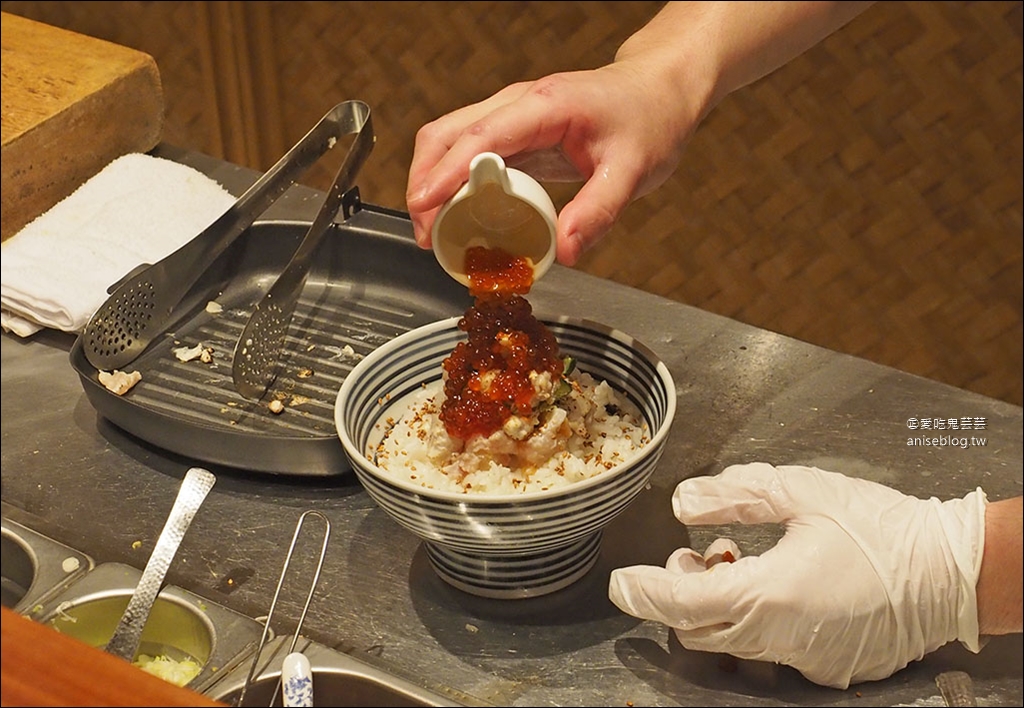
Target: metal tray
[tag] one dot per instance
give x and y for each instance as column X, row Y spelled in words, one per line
column 370, row 283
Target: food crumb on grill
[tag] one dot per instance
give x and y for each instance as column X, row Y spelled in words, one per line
column 214, row 307
column 305, row 373
column 119, row 382
column 199, row 351
column 276, row 406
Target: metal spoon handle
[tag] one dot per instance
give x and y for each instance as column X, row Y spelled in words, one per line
column 957, row 688
column 125, row 641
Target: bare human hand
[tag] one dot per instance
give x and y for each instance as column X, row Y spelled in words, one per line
column 620, row 129
column 564, row 127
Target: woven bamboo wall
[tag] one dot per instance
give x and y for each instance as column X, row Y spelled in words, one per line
column 866, row 197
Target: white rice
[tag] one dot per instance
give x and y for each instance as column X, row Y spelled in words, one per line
column 592, row 430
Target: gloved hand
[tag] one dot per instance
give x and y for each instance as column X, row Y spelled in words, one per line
column 865, row 579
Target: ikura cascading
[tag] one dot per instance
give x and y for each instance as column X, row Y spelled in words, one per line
column 489, row 376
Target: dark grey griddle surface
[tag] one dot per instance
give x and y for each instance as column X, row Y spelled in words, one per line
column 366, row 287
column 744, row 394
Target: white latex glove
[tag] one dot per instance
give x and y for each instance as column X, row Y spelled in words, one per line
column 865, row 579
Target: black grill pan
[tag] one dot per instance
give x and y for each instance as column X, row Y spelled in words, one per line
column 369, row 283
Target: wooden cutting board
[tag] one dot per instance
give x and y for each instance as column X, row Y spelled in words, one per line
column 71, row 104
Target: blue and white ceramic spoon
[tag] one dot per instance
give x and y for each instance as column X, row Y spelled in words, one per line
column 297, row 681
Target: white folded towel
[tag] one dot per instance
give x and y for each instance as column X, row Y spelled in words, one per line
column 138, row 209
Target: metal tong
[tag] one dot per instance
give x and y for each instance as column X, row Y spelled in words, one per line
column 258, row 351
column 273, row 603
column 143, row 305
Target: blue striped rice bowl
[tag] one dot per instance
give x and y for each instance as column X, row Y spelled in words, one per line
column 509, row 545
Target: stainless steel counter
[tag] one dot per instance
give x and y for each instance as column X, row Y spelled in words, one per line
column 745, row 394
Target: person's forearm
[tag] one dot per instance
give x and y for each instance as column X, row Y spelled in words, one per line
column 727, row 45
column 1000, row 581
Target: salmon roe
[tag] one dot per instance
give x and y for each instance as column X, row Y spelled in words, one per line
column 488, row 374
